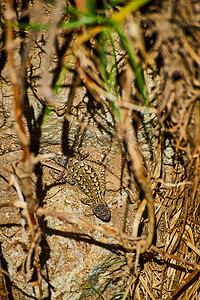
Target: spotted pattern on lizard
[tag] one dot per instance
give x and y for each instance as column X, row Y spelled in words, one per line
column 87, row 180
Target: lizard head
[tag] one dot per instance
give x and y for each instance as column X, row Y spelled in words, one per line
column 102, row 212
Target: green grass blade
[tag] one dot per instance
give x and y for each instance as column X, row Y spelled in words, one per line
column 46, row 116
column 132, row 6
column 134, row 64
column 85, row 20
column 102, row 54
column 93, row 288
column 91, row 4
column 28, row 26
column 114, row 263
column 118, row 297
column 113, row 70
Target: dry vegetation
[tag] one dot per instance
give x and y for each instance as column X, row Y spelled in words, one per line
column 118, row 86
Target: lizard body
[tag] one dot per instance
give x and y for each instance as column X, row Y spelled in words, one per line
column 87, row 180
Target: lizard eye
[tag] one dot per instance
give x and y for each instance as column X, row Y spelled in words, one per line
column 102, row 212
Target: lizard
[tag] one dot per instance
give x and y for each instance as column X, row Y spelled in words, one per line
column 87, row 180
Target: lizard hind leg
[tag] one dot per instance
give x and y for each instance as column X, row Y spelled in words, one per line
column 86, row 200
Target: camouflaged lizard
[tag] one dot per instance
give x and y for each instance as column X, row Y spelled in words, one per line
column 87, row 180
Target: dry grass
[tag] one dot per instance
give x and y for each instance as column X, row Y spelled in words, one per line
column 155, row 124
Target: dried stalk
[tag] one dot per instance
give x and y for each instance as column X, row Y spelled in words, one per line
column 127, row 131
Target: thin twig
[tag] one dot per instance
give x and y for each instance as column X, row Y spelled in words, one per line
column 72, row 219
